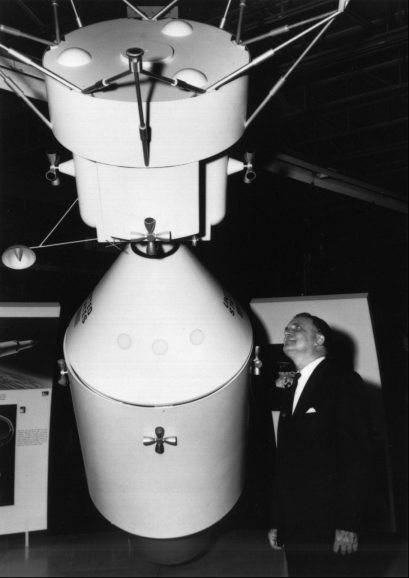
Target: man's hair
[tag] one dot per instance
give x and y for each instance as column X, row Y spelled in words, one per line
column 322, row 327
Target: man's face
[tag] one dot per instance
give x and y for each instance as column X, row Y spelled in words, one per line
column 301, row 338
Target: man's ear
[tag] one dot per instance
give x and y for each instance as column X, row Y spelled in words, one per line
column 320, row 339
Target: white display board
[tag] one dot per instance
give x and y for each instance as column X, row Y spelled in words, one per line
column 346, row 314
column 28, row 333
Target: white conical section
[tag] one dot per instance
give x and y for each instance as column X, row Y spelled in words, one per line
column 158, row 332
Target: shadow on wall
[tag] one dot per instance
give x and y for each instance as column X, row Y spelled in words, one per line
column 380, row 515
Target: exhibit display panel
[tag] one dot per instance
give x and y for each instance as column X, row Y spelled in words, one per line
column 28, row 333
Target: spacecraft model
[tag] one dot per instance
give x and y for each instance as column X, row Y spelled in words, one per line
column 159, row 355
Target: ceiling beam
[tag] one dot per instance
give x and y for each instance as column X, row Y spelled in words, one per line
column 320, row 177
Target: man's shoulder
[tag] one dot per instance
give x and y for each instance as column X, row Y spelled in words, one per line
column 338, row 373
column 338, row 367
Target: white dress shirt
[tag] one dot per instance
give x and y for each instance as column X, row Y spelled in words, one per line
column 302, row 380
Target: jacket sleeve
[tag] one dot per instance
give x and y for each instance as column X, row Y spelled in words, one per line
column 353, row 450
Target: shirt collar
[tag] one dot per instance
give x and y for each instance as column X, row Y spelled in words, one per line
column 308, row 369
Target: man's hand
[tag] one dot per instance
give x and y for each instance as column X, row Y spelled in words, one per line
column 272, row 538
column 345, row 542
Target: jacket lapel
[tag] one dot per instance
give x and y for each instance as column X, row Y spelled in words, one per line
column 308, row 394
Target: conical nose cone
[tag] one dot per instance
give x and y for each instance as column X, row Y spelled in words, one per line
column 158, row 332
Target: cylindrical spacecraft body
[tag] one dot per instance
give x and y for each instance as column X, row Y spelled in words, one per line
column 158, row 358
column 185, row 127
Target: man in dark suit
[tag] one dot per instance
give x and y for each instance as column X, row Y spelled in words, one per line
column 321, row 455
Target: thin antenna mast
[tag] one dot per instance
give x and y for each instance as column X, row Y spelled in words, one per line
column 223, row 20
column 77, row 18
column 42, row 69
column 18, row 92
column 284, row 29
column 164, row 10
column 283, row 78
column 56, row 225
column 266, row 55
column 240, row 22
column 20, row 34
column 54, row 4
column 136, row 10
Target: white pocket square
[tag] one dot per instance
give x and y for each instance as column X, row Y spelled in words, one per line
column 311, row 410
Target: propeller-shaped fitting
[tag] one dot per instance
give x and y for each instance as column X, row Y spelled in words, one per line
column 151, row 238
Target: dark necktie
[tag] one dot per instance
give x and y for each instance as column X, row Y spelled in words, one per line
column 287, row 407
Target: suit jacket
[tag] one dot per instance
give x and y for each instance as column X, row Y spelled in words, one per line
column 321, row 457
